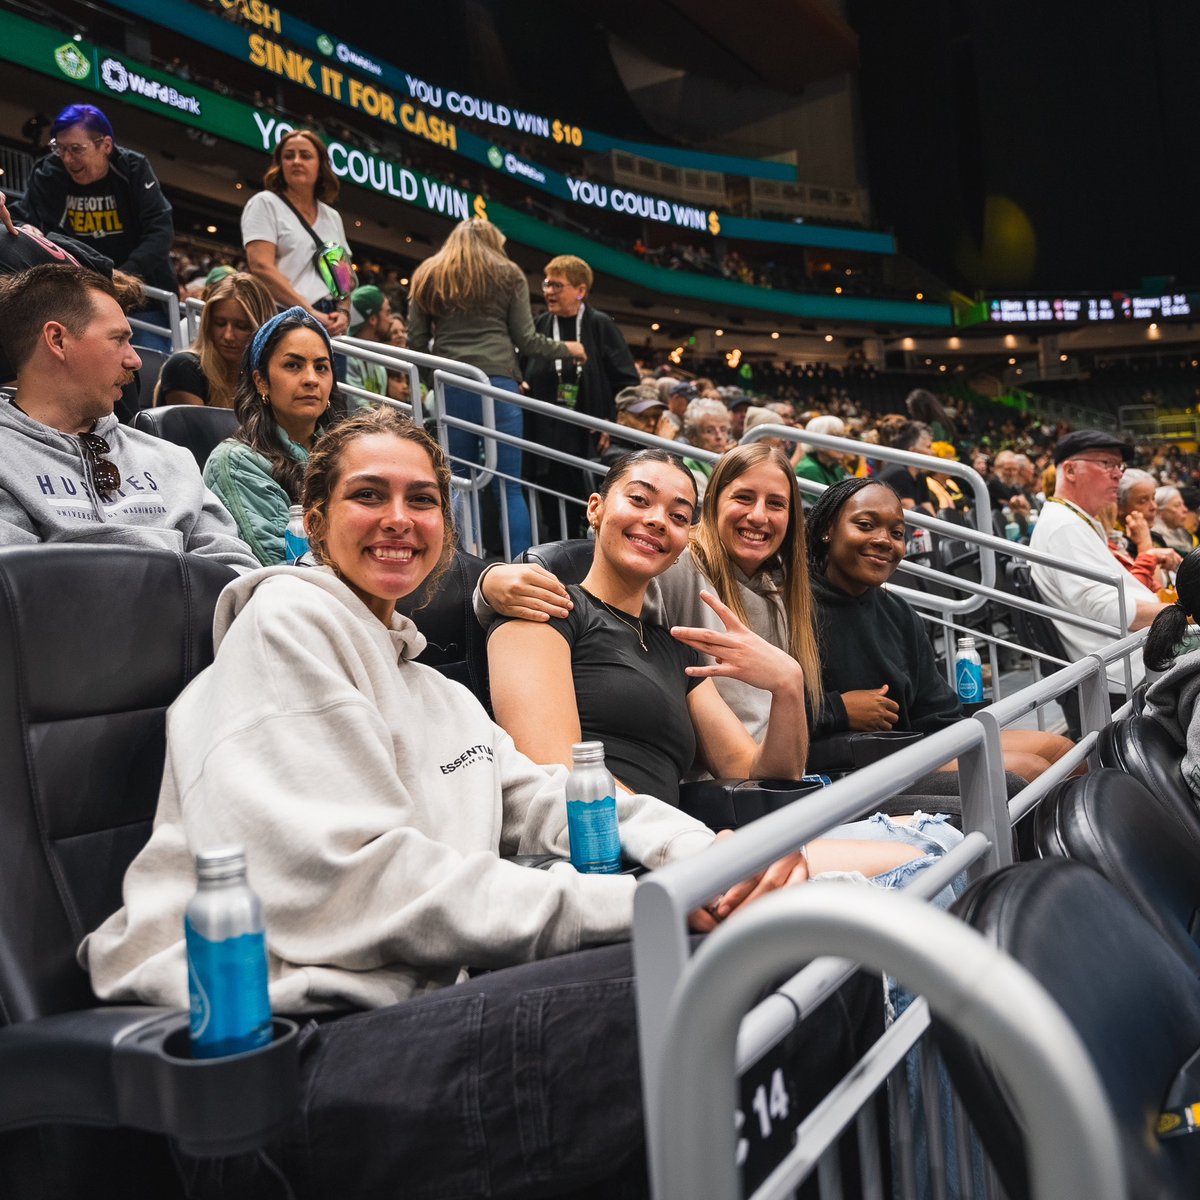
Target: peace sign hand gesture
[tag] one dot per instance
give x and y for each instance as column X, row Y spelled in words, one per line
column 739, row 653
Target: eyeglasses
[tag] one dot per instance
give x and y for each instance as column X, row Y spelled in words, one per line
column 553, row 285
column 1110, row 465
column 104, row 472
column 75, row 150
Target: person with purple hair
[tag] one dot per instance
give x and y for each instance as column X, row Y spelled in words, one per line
column 103, row 195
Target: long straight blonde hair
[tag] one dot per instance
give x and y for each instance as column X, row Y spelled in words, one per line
column 259, row 307
column 465, row 271
column 714, row 561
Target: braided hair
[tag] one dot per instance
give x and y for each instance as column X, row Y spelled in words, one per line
column 1169, row 627
column 824, row 514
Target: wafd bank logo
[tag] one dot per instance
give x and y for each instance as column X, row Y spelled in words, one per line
column 119, row 79
column 72, row 61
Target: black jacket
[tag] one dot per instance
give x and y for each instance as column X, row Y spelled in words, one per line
column 876, row 638
column 609, row 368
column 124, row 215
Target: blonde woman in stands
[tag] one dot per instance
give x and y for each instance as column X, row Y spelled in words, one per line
column 470, row 302
column 208, row 373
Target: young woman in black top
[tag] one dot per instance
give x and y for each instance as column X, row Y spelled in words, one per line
column 604, row 673
column 871, row 638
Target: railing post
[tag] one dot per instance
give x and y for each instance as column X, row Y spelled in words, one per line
column 985, row 796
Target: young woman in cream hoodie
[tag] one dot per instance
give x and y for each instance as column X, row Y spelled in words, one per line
column 376, row 800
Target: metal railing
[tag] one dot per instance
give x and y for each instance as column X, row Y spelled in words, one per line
column 959, row 597
column 172, row 330
column 675, row 1005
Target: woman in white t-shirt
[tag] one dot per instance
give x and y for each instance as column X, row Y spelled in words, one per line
column 279, row 250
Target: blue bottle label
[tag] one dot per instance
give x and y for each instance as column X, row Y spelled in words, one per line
column 968, row 678
column 823, row 780
column 295, row 546
column 227, row 986
column 595, row 840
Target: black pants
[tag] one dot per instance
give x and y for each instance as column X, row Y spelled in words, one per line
column 520, row 1083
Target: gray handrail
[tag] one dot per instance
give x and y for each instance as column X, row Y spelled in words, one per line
column 1071, row 1134
column 981, row 508
column 171, row 300
column 666, row 896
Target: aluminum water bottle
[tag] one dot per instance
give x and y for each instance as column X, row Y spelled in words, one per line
column 1012, row 530
column 227, row 958
column 295, row 540
column 968, row 672
column 592, row 812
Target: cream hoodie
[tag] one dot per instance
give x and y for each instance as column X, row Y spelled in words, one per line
column 374, row 798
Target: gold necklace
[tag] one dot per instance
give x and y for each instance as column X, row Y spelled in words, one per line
column 639, row 630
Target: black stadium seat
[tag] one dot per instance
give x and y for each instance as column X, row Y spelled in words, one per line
column 194, row 426
column 153, row 362
column 1113, row 824
column 1130, row 996
column 1141, row 747
column 456, row 645
column 569, row 560
column 95, row 643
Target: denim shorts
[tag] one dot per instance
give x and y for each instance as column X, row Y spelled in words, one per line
column 932, row 834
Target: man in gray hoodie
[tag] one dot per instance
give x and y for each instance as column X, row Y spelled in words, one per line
column 69, row 471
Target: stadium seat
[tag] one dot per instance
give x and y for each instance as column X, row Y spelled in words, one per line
column 456, row 646
column 569, row 559
column 1113, row 824
column 195, row 427
column 153, row 362
column 1142, row 748
column 1032, row 629
column 1130, row 996
column 95, row 643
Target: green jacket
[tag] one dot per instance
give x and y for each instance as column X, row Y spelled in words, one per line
column 817, row 472
column 241, row 479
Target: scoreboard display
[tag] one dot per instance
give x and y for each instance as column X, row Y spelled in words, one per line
column 1088, row 309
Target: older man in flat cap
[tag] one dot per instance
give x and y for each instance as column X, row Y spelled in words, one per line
column 1090, row 464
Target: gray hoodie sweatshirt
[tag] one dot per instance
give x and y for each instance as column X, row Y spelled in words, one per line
column 1171, row 701
column 46, row 493
column 375, row 799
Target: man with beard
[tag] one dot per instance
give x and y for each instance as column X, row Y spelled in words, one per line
column 71, row 472
column 588, row 389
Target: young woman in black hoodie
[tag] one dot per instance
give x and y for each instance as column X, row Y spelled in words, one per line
column 872, row 641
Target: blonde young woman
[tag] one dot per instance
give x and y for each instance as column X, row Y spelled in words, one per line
column 470, row 302
column 208, row 373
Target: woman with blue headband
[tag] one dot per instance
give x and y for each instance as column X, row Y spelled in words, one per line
column 286, row 398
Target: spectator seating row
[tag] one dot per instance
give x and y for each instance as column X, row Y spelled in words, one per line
column 77, row 818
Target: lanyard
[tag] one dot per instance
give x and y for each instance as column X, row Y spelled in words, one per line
column 1080, row 514
column 558, row 362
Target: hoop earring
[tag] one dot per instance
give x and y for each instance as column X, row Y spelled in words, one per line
column 265, row 397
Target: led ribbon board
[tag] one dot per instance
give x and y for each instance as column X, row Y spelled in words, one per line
column 410, row 108
column 117, row 77
column 340, row 55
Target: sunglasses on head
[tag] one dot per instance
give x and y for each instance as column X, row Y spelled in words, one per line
column 105, row 474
